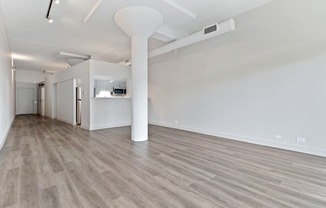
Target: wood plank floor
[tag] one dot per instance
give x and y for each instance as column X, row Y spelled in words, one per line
column 46, row 163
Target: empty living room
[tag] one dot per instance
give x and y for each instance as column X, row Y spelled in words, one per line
column 163, row 103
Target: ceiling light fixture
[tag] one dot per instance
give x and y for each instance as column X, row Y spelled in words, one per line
column 57, row 1
column 48, row 13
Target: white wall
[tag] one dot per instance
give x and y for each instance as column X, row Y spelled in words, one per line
column 96, row 113
column 109, row 112
column 251, row 84
column 252, row 106
column 7, row 88
column 29, row 76
column 78, row 71
column 66, row 101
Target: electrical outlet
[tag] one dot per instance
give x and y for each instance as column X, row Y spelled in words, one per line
column 301, row 140
column 278, row 136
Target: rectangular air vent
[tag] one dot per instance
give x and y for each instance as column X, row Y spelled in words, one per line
column 210, row 29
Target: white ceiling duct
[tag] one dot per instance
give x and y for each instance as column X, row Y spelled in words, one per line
column 74, row 61
column 204, row 34
column 71, row 58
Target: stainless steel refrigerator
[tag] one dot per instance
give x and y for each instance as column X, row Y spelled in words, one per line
column 78, row 105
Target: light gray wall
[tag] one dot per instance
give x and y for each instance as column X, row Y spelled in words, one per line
column 78, row 71
column 66, row 101
column 109, row 112
column 251, row 84
column 7, row 82
column 250, row 104
column 96, row 113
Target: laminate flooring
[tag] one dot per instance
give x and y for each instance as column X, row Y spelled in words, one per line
column 46, row 163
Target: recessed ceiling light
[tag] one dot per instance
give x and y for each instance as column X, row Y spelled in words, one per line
column 50, row 20
column 57, row 1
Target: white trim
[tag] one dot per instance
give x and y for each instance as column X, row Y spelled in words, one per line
column 4, row 140
column 7, row 133
column 85, row 127
column 109, row 126
column 312, row 151
column 65, row 121
column 81, row 126
column 49, row 117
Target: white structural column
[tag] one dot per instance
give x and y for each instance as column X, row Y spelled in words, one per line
column 139, row 23
column 139, row 74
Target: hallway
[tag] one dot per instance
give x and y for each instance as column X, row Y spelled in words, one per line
column 47, row 163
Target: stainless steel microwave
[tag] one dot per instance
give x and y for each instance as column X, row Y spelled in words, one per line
column 119, row 91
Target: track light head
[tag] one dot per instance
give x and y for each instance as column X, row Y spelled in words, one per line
column 49, row 9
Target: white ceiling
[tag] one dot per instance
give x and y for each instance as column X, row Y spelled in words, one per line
column 37, row 43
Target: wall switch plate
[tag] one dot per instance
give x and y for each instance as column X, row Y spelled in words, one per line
column 301, row 140
column 278, row 136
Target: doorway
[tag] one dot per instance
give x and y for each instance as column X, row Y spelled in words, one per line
column 25, row 101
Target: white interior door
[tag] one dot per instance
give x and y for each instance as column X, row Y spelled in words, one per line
column 25, row 101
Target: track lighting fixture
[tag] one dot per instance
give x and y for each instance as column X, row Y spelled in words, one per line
column 48, row 13
column 49, row 10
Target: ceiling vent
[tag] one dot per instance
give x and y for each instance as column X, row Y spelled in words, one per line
column 210, row 29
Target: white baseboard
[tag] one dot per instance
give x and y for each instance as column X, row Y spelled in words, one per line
column 50, row 117
column 4, row 140
column 290, row 147
column 65, row 121
column 85, row 127
column 109, row 126
column 7, row 133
